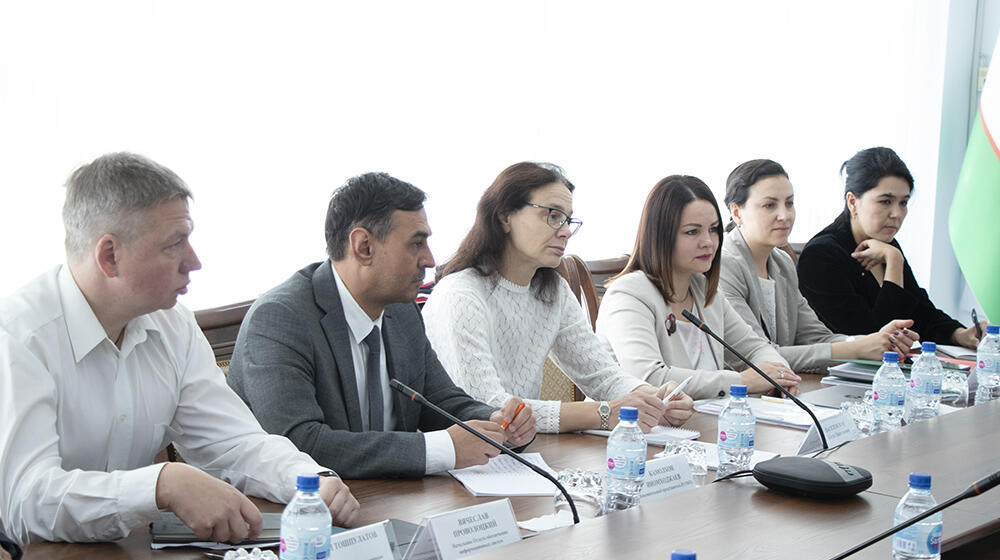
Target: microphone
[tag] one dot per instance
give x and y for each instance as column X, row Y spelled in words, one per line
column 701, row 325
column 415, row 396
column 977, row 488
column 803, row 476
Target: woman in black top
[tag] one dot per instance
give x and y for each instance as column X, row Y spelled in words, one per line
column 854, row 274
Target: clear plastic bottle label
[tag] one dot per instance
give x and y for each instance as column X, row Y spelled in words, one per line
column 925, row 387
column 888, row 398
column 732, row 438
column 916, row 540
column 315, row 548
column 619, row 465
column 989, row 364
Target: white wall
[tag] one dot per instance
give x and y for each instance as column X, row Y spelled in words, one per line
column 265, row 108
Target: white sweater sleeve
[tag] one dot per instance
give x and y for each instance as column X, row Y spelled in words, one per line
column 460, row 329
column 580, row 354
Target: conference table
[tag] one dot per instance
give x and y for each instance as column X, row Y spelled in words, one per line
column 732, row 519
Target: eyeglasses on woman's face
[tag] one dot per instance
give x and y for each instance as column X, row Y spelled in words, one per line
column 556, row 219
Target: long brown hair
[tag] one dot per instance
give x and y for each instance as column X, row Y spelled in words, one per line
column 483, row 247
column 654, row 243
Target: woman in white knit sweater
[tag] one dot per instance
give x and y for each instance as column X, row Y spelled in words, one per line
column 675, row 267
column 500, row 308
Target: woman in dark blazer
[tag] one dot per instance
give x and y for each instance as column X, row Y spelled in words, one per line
column 854, row 274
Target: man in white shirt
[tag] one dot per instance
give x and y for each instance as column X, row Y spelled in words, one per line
column 314, row 355
column 100, row 369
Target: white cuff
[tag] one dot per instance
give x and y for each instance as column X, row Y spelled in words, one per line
column 439, row 452
column 137, row 496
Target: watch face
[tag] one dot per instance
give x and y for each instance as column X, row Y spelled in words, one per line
column 604, row 409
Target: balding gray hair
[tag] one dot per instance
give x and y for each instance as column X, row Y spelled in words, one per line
column 110, row 194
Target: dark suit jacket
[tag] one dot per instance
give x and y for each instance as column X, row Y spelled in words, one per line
column 849, row 299
column 293, row 366
column 10, row 547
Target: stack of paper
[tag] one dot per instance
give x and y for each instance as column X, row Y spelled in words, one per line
column 834, row 380
column 659, row 435
column 784, row 413
column 855, row 371
column 503, row 476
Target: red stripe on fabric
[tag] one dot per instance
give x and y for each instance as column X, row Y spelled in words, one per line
column 986, row 129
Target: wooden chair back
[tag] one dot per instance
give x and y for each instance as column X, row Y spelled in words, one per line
column 575, row 271
column 221, row 325
column 602, row 270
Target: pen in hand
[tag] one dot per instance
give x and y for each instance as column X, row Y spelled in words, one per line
column 975, row 321
column 677, row 389
column 519, row 408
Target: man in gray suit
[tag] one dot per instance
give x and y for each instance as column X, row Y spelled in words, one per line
column 314, row 355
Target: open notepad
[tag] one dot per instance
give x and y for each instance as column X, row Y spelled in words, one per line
column 503, row 476
column 659, row 435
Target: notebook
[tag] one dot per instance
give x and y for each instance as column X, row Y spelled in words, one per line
column 659, row 435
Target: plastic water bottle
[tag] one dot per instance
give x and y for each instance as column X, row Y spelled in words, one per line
column 920, row 541
column 683, row 555
column 923, row 394
column 626, row 461
column 888, row 394
column 306, row 523
column 736, row 429
column 988, row 366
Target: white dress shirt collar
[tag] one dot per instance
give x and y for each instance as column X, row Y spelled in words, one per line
column 84, row 329
column 357, row 320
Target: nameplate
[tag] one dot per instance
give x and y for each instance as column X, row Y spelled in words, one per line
column 666, row 476
column 372, row 542
column 464, row 532
column 839, row 428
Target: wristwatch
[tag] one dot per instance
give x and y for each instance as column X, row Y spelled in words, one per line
column 604, row 409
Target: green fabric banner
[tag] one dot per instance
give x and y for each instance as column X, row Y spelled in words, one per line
column 974, row 221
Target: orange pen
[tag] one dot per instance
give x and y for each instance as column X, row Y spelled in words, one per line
column 520, row 407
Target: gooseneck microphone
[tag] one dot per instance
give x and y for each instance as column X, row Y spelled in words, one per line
column 417, row 397
column 977, row 488
column 701, row 325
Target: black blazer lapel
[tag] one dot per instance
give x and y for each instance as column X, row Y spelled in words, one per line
column 337, row 335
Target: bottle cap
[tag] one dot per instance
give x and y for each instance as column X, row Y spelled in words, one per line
column 628, row 413
column 307, row 482
column 928, row 347
column 683, row 555
column 920, row 480
column 992, row 329
column 737, row 390
column 890, row 357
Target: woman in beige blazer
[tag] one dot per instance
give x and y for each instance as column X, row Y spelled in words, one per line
column 761, row 283
column 675, row 267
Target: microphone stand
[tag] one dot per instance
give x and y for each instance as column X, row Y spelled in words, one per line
column 415, row 396
column 976, row 489
column 701, row 325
